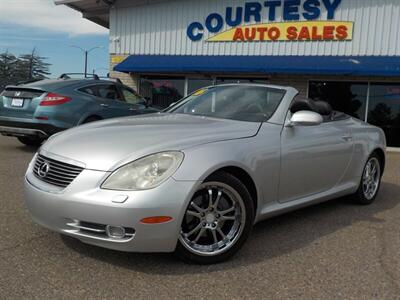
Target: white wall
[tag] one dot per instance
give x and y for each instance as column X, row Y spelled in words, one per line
column 159, row 27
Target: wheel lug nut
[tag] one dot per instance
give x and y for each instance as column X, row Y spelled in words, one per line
column 204, row 224
column 203, row 214
column 214, row 225
column 217, row 216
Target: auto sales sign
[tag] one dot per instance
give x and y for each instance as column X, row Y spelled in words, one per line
column 262, row 17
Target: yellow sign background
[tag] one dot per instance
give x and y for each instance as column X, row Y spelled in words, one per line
column 117, row 59
column 317, row 31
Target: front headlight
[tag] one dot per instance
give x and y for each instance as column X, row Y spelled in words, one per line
column 145, row 173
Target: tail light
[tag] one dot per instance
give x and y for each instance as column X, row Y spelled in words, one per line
column 52, row 99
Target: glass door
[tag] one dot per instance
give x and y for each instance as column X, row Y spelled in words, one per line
column 384, row 110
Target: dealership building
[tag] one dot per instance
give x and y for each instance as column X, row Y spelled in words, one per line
column 346, row 52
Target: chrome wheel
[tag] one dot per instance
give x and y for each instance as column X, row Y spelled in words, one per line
column 214, row 220
column 371, row 178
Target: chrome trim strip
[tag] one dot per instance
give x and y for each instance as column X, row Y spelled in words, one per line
column 105, row 239
column 22, row 131
column 62, row 159
column 74, row 225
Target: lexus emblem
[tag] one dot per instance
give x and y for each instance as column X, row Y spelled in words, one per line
column 44, row 169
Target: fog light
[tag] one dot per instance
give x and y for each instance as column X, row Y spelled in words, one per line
column 115, row 232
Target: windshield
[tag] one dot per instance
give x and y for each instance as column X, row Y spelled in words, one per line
column 237, row 102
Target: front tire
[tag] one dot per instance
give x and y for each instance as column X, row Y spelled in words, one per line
column 370, row 181
column 31, row 141
column 217, row 221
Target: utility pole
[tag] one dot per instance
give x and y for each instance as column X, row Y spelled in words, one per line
column 86, row 61
column 86, row 52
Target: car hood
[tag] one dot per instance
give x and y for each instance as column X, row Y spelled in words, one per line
column 106, row 145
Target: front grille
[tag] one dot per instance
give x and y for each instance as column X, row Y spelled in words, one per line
column 55, row 172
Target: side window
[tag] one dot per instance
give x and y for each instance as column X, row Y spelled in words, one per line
column 109, row 91
column 90, row 90
column 131, row 97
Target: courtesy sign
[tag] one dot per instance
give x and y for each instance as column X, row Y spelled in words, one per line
column 273, row 20
column 288, row 31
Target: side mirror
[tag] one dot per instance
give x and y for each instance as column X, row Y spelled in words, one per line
column 305, row 118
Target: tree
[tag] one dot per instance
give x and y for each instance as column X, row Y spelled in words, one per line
column 7, row 68
column 34, row 65
column 381, row 115
column 26, row 67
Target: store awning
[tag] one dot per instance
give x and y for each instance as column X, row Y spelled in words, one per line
column 321, row 65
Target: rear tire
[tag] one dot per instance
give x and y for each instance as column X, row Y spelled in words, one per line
column 370, row 181
column 214, row 230
column 31, row 141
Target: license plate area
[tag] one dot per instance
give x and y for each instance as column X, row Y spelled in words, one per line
column 17, row 102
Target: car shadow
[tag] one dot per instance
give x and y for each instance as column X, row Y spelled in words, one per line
column 270, row 238
column 28, row 149
column 10, row 144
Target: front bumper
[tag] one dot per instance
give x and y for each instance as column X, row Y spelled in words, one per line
column 83, row 200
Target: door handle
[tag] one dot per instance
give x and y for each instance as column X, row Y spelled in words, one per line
column 104, row 105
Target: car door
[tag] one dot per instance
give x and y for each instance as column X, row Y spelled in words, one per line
column 112, row 102
column 137, row 104
column 313, row 158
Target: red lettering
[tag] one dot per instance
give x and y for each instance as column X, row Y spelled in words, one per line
column 262, row 31
column 274, row 33
column 315, row 35
column 304, row 34
column 250, row 34
column 291, row 33
column 328, row 32
column 341, row 33
column 238, row 36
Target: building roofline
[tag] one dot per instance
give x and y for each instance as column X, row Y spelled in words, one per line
column 91, row 10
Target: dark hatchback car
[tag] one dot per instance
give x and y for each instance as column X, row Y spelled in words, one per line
column 34, row 111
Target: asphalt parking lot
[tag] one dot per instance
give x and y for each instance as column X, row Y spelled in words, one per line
column 335, row 250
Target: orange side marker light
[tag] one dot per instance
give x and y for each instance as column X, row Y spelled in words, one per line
column 156, row 220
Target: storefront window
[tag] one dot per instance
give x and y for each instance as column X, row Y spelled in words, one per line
column 347, row 97
column 351, row 98
column 227, row 80
column 197, row 83
column 162, row 91
column 384, row 110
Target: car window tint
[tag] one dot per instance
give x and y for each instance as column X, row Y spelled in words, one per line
column 237, row 102
column 131, row 97
column 109, row 92
column 90, row 90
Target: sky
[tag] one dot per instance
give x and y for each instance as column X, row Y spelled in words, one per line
column 51, row 29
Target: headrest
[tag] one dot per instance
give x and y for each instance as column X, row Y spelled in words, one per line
column 321, row 107
column 301, row 104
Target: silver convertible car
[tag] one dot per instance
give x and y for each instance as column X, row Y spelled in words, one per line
column 196, row 178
